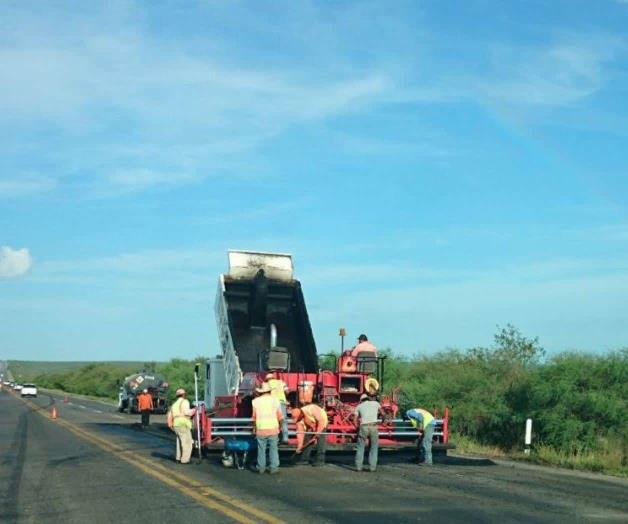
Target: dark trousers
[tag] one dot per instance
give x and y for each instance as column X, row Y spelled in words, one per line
column 318, row 449
column 145, row 417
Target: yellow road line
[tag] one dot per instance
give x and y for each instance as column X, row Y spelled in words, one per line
column 197, row 491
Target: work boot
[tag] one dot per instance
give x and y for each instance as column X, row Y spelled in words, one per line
column 274, row 471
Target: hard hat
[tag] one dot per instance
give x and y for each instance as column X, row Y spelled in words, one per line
column 145, row 390
column 180, row 392
column 363, row 396
column 271, row 376
column 296, row 414
column 264, row 388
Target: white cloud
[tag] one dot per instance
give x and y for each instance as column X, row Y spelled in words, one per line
column 14, row 262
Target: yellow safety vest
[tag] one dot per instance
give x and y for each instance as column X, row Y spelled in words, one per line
column 277, row 389
column 427, row 417
column 180, row 420
column 265, row 409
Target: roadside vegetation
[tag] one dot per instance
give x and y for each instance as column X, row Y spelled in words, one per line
column 578, row 402
column 102, row 379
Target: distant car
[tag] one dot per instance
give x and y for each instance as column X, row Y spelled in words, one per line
column 17, row 387
column 29, row 390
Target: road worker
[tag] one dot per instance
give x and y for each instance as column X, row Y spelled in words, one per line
column 279, row 390
column 145, row 406
column 311, row 421
column 364, row 346
column 181, row 416
column 366, row 416
column 424, row 421
column 267, row 418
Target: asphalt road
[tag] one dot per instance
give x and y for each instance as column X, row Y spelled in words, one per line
column 93, row 464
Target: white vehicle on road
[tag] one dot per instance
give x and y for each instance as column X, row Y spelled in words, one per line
column 17, row 387
column 29, row 390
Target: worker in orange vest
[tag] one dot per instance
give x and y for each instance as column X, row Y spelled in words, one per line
column 363, row 346
column 267, row 418
column 145, row 406
column 311, row 421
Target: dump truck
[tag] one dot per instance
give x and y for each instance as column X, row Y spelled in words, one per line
column 263, row 325
column 134, row 384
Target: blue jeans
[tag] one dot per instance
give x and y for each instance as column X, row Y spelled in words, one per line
column 273, row 452
column 284, row 422
column 426, row 443
column 368, row 432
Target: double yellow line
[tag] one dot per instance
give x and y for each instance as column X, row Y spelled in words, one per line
column 201, row 493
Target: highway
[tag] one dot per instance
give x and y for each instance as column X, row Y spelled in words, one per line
column 92, row 464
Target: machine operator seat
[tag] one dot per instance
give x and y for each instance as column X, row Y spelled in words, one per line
column 366, row 362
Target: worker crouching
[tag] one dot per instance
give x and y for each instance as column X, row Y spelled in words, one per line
column 267, row 417
column 424, row 421
column 311, row 421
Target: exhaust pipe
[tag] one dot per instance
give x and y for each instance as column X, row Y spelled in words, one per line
column 273, row 336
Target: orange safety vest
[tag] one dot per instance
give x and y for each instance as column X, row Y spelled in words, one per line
column 144, row 401
column 312, row 414
column 265, row 409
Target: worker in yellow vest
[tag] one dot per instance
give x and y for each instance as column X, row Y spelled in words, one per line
column 267, row 417
column 424, row 421
column 180, row 420
column 279, row 390
column 311, row 421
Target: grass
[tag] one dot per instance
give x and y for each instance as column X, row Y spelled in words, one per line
column 609, row 458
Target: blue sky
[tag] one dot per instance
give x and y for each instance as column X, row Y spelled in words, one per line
column 435, row 168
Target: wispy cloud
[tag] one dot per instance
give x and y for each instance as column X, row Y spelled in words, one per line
column 558, row 74
column 19, row 186
column 140, row 179
column 150, row 111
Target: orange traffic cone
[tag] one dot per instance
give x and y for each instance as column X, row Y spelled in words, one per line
column 53, row 412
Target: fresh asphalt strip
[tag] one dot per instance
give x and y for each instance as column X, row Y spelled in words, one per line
column 201, row 493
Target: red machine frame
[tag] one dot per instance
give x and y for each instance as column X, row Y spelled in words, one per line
column 338, row 391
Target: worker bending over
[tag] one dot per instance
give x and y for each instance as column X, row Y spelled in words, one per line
column 180, row 420
column 366, row 418
column 278, row 390
column 424, row 421
column 145, row 406
column 364, row 346
column 267, row 418
column 311, row 421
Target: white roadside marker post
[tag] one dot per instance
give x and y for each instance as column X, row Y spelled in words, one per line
column 528, row 437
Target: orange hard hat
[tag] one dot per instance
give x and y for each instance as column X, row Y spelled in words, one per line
column 296, row 414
